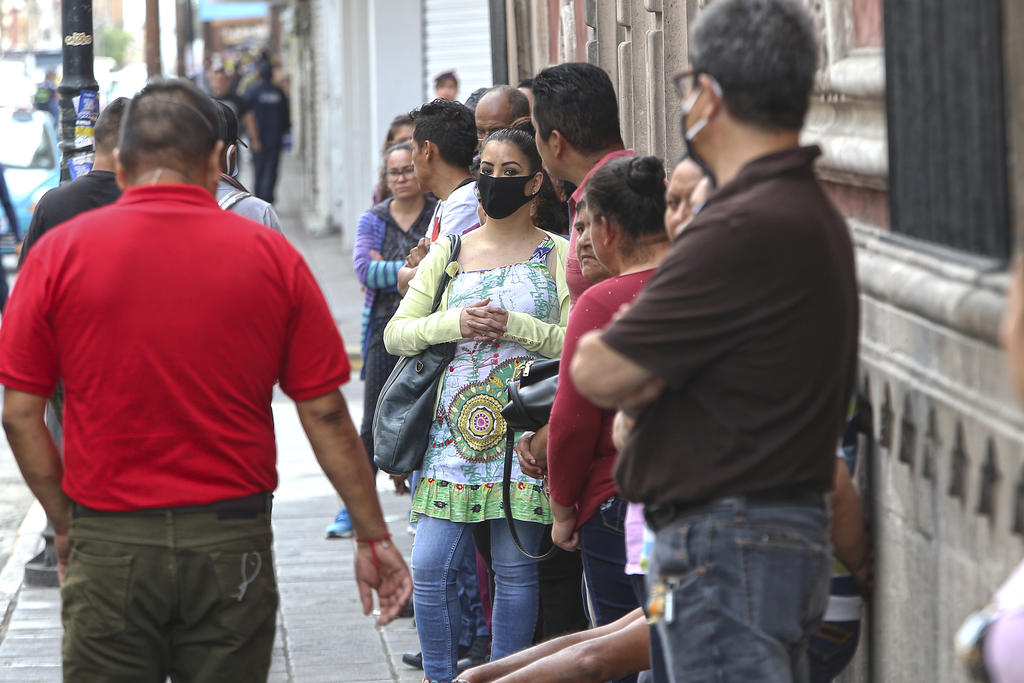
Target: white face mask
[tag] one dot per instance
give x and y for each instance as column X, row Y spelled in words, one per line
column 690, row 133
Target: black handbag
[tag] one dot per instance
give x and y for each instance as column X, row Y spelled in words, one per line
column 531, row 393
column 405, row 409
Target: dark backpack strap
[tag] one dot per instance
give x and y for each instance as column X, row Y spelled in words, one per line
column 506, row 500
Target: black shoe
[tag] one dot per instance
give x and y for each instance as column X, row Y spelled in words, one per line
column 407, row 611
column 413, row 659
column 476, row 654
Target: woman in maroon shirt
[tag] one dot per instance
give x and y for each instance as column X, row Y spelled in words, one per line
column 626, row 202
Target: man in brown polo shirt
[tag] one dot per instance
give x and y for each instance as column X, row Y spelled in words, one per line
column 738, row 362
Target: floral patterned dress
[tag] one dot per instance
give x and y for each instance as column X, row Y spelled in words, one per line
column 464, row 461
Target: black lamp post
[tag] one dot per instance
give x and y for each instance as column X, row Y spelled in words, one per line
column 77, row 49
column 76, row 22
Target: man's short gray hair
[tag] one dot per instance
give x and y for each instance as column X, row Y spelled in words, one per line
column 763, row 53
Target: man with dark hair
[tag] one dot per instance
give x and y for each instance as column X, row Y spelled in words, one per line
column 270, row 107
column 96, row 188
column 161, row 502
column 231, row 194
column 499, row 108
column 576, row 117
column 443, row 144
column 738, row 362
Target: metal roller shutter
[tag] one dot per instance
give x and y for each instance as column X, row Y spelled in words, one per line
column 457, row 36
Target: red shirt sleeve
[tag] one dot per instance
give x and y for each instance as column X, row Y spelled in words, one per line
column 28, row 342
column 575, row 425
column 315, row 361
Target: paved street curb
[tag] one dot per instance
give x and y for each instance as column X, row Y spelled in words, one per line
column 27, row 544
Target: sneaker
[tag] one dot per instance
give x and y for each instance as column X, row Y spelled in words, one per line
column 341, row 527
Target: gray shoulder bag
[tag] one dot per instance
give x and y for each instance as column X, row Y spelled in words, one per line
column 405, row 409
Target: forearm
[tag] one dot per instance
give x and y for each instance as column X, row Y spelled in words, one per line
column 562, row 513
column 612, row 654
column 535, row 335
column 849, row 538
column 40, row 464
column 341, row 455
column 510, row 664
column 610, row 379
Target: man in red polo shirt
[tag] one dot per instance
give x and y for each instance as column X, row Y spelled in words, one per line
column 576, row 117
column 169, row 322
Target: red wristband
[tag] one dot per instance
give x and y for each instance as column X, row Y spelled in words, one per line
column 373, row 547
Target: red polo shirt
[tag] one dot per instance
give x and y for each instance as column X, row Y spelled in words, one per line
column 169, row 321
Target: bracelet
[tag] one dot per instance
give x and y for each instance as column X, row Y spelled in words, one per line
column 384, row 543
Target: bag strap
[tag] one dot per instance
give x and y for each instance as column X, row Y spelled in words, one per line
column 229, row 200
column 455, row 242
column 506, row 500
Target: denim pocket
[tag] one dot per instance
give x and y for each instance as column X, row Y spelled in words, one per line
column 248, row 590
column 613, row 514
column 786, row 579
column 94, row 597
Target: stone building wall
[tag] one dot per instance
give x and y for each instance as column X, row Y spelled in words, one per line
column 941, row 465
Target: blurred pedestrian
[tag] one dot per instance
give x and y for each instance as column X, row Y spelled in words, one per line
column 576, row 115
column 231, row 193
column 220, row 83
column 739, row 359
column 270, row 107
column 46, row 98
column 168, row 560
column 446, row 86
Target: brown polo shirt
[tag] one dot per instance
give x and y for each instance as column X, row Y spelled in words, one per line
column 752, row 321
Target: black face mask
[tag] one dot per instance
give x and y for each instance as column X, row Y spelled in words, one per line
column 502, row 197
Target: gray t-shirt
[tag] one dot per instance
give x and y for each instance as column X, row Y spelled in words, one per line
column 251, row 207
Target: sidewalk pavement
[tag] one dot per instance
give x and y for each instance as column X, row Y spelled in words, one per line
column 322, row 635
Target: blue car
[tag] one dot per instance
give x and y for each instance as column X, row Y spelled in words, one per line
column 31, row 160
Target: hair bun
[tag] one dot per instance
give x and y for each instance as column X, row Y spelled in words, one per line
column 646, row 176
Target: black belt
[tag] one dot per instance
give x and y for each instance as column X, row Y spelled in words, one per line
column 248, row 507
column 660, row 515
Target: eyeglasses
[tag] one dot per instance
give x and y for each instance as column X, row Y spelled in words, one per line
column 396, row 173
column 685, row 82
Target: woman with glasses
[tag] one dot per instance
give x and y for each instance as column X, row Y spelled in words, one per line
column 384, row 236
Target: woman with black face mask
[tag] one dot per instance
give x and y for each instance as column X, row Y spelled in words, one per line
column 507, row 304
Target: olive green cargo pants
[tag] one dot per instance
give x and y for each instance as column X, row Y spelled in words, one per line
column 189, row 595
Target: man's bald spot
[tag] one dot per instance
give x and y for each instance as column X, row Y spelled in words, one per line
column 499, row 108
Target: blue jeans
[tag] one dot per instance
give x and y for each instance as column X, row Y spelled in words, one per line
column 436, row 554
column 473, row 623
column 603, row 552
column 747, row 584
